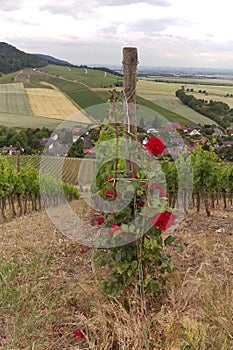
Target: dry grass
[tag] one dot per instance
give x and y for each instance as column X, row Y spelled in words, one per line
column 49, row 290
column 51, row 103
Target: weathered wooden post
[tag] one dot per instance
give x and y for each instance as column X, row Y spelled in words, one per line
column 130, row 62
column 18, row 160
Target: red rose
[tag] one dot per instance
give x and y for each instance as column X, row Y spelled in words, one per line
column 115, row 228
column 110, row 179
column 163, row 220
column 108, row 193
column 160, row 188
column 140, row 204
column 78, row 334
column 100, row 220
column 133, row 176
column 155, row 145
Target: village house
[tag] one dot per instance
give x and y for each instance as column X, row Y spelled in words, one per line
column 227, row 144
column 9, row 150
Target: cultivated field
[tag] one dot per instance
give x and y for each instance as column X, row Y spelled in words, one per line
column 215, row 97
column 202, row 80
column 15, row 110
column 57, row 93
column 163, row 94
column 211, row 89
column 50, row 103
column 89, row 77
column 27, row 121
column 13, row 99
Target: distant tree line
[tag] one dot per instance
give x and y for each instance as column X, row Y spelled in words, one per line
column 218, row 111
column 32, row 141
column 27, row 140
column 102, row 69
column 108, row 70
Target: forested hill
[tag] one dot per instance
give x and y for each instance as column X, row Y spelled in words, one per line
column 54, row 60
column 12, row 59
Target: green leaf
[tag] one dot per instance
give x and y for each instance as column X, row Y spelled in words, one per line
column 169, row 240
column 147, row 280
column 134, row 264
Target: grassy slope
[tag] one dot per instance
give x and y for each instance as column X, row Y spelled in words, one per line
column 49, row 289
column 27, row 121
column 90, row 77
column 7, row 78
column 163, row 95
column 166, row 113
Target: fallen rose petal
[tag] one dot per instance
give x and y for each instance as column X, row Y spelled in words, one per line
column 78, row 334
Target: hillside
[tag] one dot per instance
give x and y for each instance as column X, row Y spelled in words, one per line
column 53, row 60
column 12, row 59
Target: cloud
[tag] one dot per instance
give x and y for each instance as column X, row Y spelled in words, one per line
column 67, row 7
column 11, row 5
column 76, row 7
column 130, row 2
column 153, row 25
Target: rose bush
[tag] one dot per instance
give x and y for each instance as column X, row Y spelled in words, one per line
column 140, row 224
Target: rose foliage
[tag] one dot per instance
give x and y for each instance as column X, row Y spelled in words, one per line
column 138, row 218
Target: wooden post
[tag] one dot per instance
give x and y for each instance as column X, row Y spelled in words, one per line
column 130, row 62
column 18, row 160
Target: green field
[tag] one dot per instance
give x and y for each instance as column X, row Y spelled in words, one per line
column 27, row 121
column 8, row 78
column 90, row 77
column 148, row 113
column 63, row 84
column 191, row 80
column 163, row 95
column 87, row 98
column 13, row 99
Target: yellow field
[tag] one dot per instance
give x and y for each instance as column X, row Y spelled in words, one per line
column 51, row 103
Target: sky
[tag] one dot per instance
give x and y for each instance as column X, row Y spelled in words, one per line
column 183, row 33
